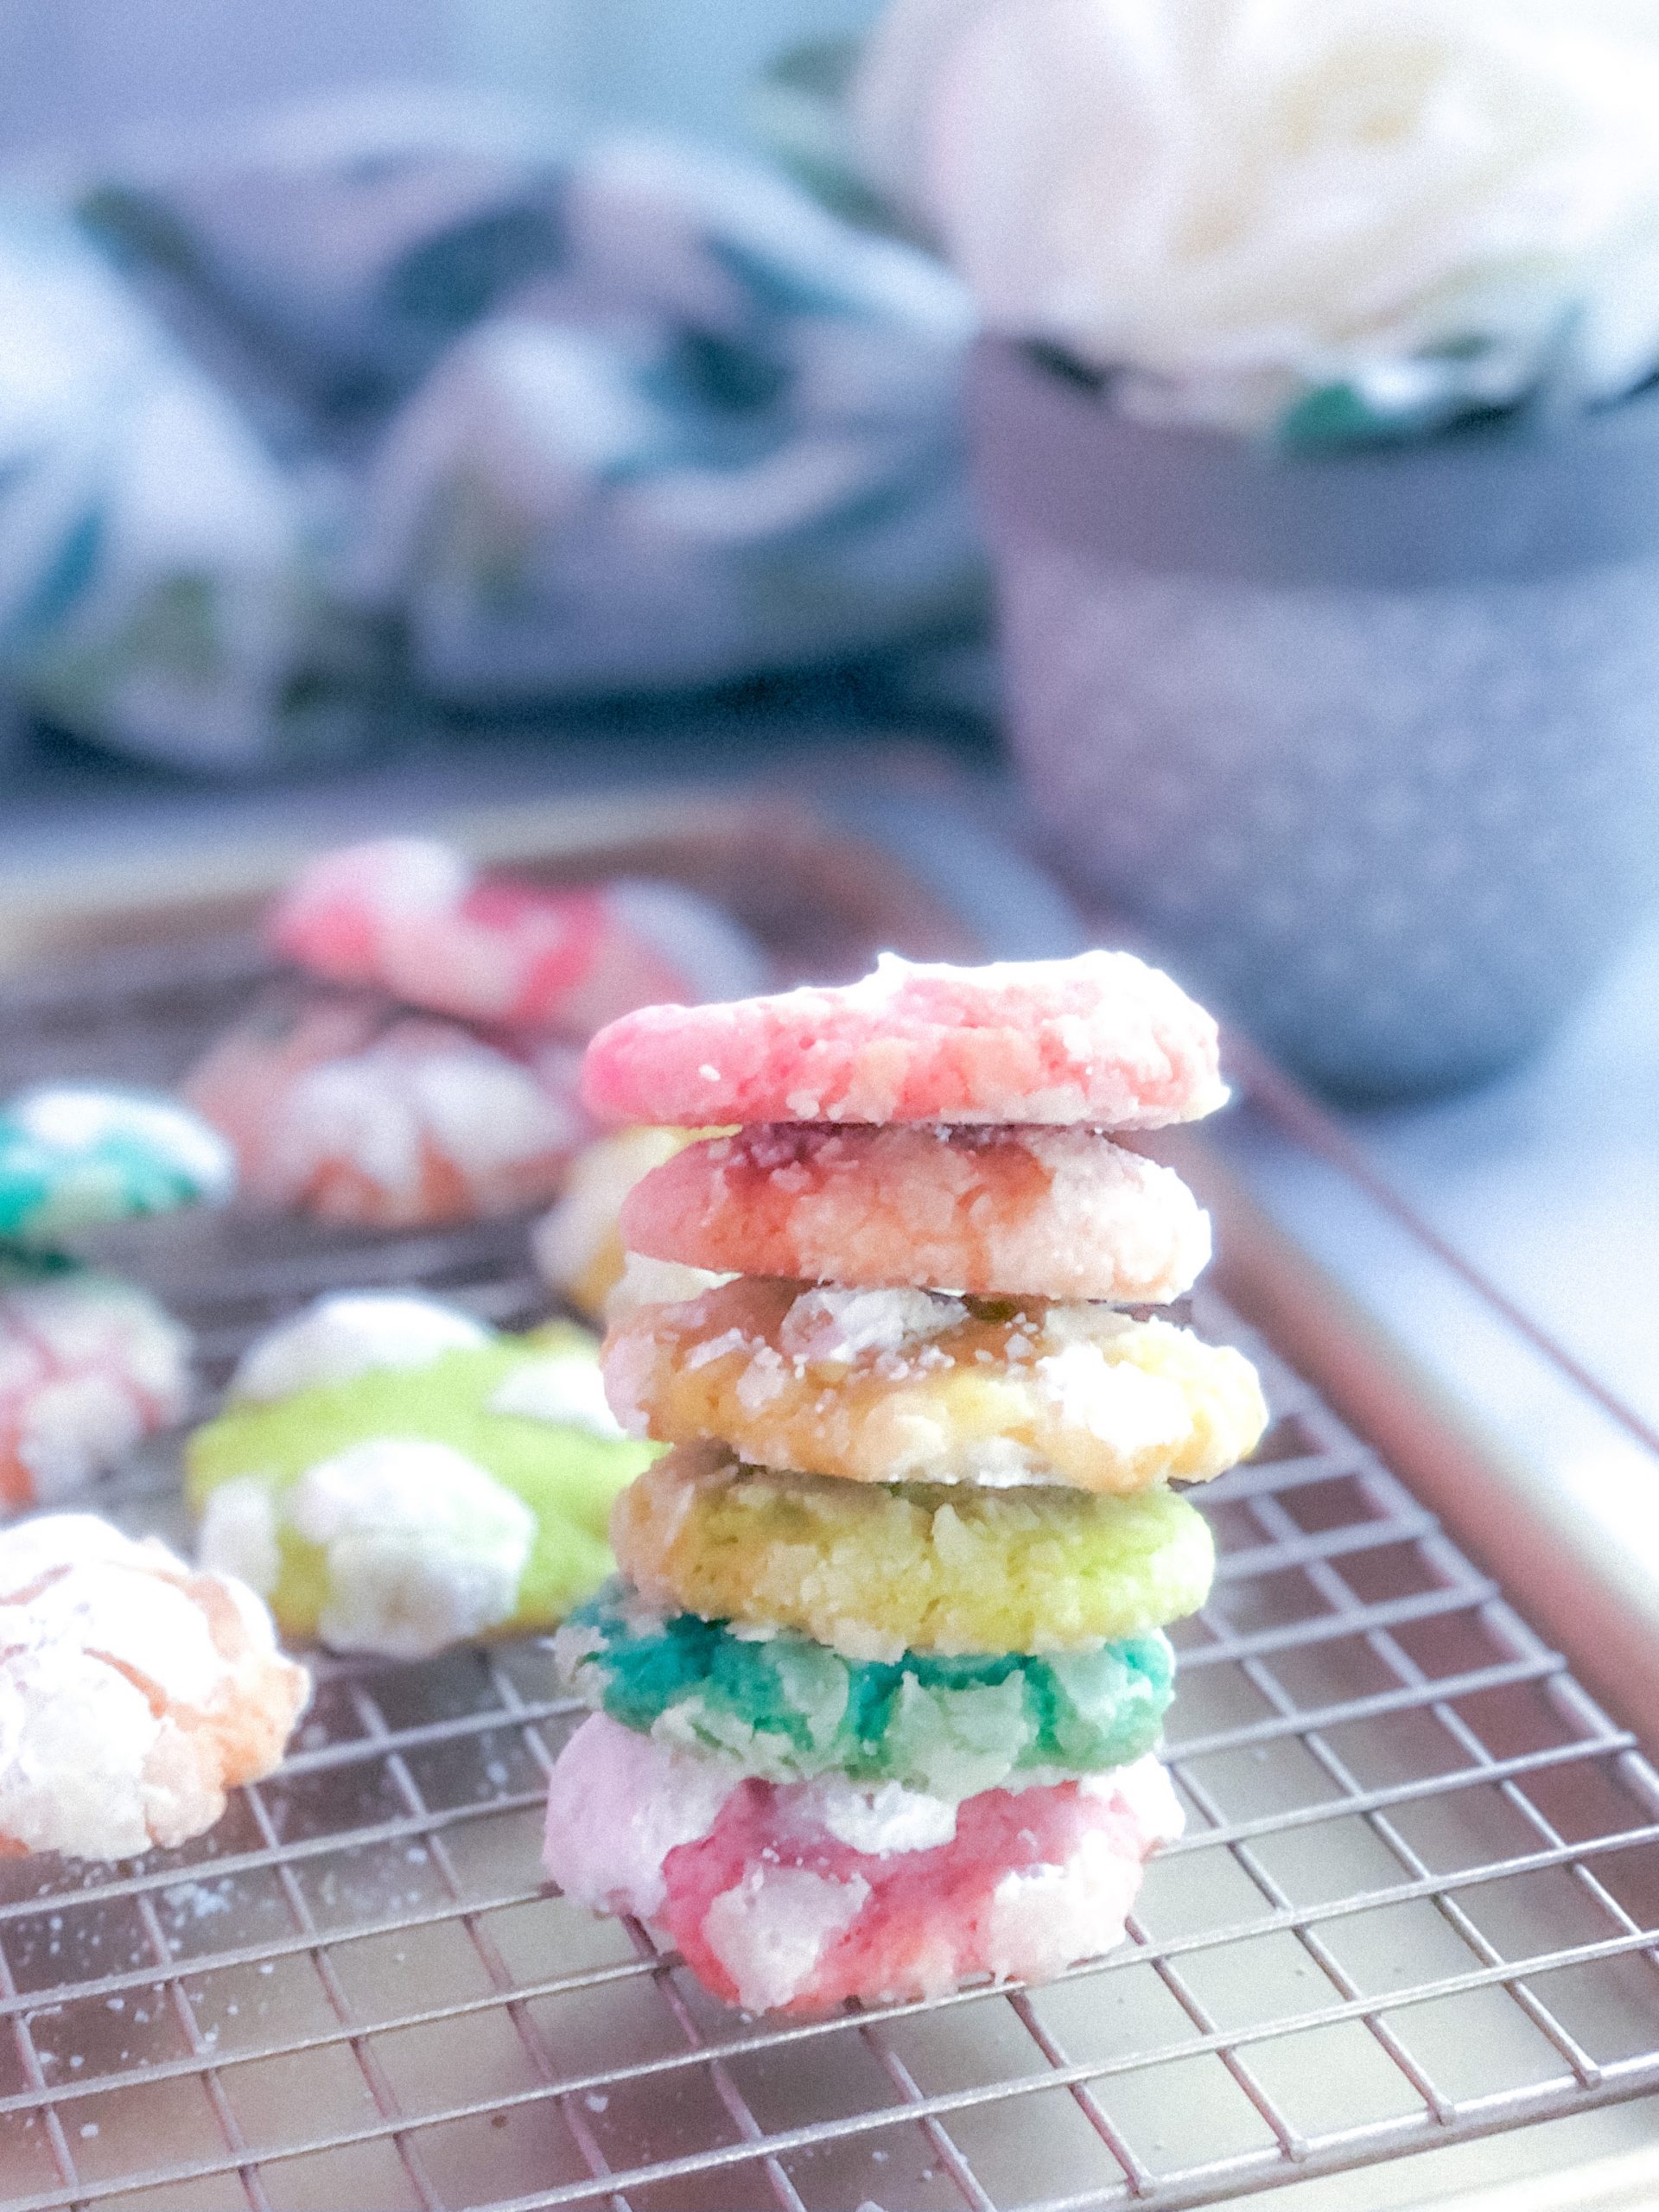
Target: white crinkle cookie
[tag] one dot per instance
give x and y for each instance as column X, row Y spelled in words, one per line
column 134, row 1692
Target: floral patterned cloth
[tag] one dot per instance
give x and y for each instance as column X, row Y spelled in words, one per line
column 389, row 401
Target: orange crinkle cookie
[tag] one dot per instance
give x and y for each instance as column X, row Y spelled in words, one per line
column 1032, row 1212
column 133, row 1693
column 896, row 1386
column 340, row 1106
column 1102, row 1040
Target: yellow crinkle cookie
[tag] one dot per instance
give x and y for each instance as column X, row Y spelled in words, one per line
column 876, row 1572
column 882, row 1386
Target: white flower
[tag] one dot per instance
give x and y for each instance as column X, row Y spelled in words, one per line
column 1240, row 201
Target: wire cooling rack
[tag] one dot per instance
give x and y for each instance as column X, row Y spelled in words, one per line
column 1418, row 1900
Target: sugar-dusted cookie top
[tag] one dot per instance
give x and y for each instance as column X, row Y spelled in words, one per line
column 89, row 1364
column 414, row 918
column 133, row 1693
column 341, row 1106
column 895, row 1386
column 76, row 1155
column 1101, row 1039
column 394, row 1477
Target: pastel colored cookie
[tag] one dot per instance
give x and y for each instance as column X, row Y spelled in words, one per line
column 578, row 1246
column 134, row 1694
column 880, row 1386
column 353, row 1332
column 1101, row 1039
column 413, row 917
column 398, row 1507
column 340, row 1107
column 797, row 1899
column 875, row 1572
column 1034, row 1212
column 786, row 1709
column 89, row 1366
column 73, row 1156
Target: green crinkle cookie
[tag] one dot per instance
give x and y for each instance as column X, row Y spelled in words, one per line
column 876, row 1570
column 400, row 1510
column 786, row 1708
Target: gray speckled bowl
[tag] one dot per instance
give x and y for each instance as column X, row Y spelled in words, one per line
column 1369, row 741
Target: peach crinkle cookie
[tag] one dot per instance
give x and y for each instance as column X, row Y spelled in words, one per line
column 883, row 1386
column 134, row 1692
column 1033, row 1211
column 343, row 1107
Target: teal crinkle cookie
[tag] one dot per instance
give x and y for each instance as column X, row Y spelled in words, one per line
column 74, row 1156
column 786, row 1708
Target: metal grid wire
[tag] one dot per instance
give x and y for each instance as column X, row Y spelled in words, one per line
column 1418, row 1900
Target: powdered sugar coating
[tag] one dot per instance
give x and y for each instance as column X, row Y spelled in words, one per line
column 89, row 1365
column 1032, row 1212
column 882, row 1385
column 416, row 1547
column 350, row 1333
column 1101, row 1039
column 412, row 918
column 578, row 1246
column 341, row 1107
column 797, row 1898
column 133, row 1693
column 655, row 1283
column 401, row 1506
column 73, row 1155
column 421, row 1547
column 566, row 1389
column 617, row 1805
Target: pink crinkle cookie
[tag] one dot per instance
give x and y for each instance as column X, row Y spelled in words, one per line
column 89, row 1365
column 1029, row 1212
column 1101, row 1040
column 412, row 916
column 133, row 1693
column 340, row 1106
column 793, row 1898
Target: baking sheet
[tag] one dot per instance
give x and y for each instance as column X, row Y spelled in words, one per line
column 1414, row 1908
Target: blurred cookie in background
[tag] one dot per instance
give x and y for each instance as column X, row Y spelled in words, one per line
column 341, row 1106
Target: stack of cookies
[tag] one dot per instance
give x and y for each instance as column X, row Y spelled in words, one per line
column 879, row 1687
